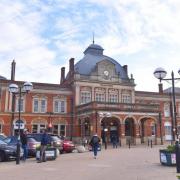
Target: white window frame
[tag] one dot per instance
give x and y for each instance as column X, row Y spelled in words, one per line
column 126, row 98
column 40, row 109
column 40, row 127
column 59, row 129
column 61, row 108
column 113, row 98
column 100, row 97
column 22, row 105
column 85, row 97
column 166, row 110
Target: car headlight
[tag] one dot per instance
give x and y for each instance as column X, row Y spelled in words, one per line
column 8, row 150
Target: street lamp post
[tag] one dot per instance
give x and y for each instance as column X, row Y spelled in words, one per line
column 160, row 74
column 105, row 129
column 15, row 90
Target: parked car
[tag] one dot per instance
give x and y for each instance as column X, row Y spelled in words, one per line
column 8, row 152
column 54, row 140
column 68, row 146
column 32, row 144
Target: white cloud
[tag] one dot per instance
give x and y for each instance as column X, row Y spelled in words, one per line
column 42, row 36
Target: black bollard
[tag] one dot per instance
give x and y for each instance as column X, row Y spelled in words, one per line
column 151, row 143
column 105, row 144
column 148, row 142
column 177, row 148
column 129, row 143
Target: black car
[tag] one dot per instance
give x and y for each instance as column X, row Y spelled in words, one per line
column 53, row 140
column 32, row 144
column 7, row 151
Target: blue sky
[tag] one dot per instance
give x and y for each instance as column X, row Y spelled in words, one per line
column 42, row 35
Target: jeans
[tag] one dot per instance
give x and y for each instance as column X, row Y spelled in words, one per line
column 25, row 151
column 95, row 149
column 42, row 153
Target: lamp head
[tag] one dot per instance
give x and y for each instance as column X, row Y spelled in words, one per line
column 13, row 88
column 160, row 73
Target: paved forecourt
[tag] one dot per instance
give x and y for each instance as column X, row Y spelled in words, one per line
column 137, row 163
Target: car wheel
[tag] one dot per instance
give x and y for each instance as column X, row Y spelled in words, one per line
column 2, row 156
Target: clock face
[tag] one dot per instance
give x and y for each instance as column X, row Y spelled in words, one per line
column 106, row 73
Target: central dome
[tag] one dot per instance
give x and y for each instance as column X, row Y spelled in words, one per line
column 94, row 49
column 93, row 55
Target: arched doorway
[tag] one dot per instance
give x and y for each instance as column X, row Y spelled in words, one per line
column 148, row 129
column 110, row 127
column 130, row 130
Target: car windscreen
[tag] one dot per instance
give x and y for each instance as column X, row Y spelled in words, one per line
column 31, row 139
column 2, row 142
column 55, row 138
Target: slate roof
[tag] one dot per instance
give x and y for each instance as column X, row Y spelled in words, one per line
column 92, row 55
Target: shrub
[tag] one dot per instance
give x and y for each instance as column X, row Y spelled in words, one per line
column 171, row 148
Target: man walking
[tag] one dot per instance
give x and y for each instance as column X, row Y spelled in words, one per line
column 44, row 142
column 23, row 138
column 95, row 142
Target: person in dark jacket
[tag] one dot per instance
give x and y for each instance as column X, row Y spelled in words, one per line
column 95, row 142
column 44, row 142
column 23, row 137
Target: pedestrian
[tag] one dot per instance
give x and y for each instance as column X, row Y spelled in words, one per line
column 114, row 141
column 95, row 142
column 84, row 141
column 44, row 142
column 23, row 137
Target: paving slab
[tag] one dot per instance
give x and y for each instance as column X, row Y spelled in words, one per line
column 136, row 163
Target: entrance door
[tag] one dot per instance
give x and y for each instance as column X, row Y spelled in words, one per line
column 129, row 130
column 109, row 128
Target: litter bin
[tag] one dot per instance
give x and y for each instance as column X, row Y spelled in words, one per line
column 50, row 153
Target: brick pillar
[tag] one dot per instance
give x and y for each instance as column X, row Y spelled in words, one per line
column 123, row 139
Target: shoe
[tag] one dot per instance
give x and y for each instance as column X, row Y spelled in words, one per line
column 94, row 157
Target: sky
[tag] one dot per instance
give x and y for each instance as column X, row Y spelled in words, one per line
column 42, row 35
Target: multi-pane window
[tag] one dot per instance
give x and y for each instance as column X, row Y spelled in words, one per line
column 59, row 106
column 100, row 97
column 36, row 105
column 59, row 129
column 21, row 103
column 39, row 105
column 113, row 98
column 166, row 110
column 43, row 106
column 85, row 97
column 168, row 131
column 38, row 128
column 126, row 98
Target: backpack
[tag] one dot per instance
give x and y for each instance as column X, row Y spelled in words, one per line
column 95, row 139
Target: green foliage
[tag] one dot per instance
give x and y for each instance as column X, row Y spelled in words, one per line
column 171, row 148
column 39, row 147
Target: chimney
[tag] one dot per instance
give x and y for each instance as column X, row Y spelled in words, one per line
column 62, row 74
column 13, row 68
column 125, row 67
column 71, row 65
column 160, row 88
